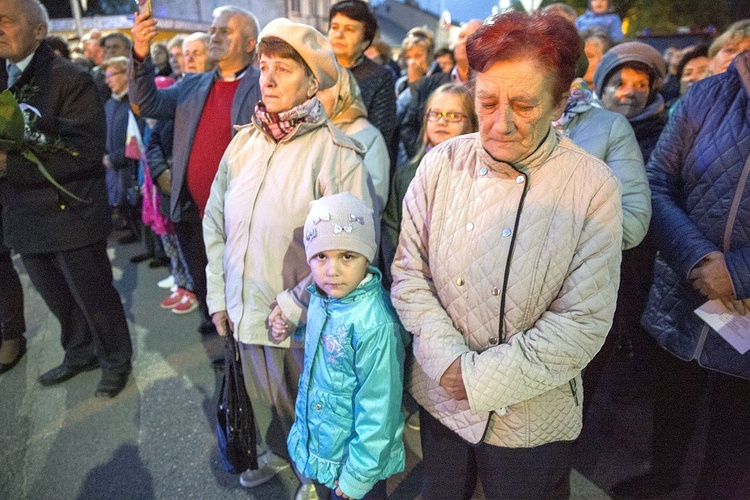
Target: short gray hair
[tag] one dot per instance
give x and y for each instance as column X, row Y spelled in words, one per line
column 198, row 36
column 36, row 12
column 118, row 62
column 250, row 18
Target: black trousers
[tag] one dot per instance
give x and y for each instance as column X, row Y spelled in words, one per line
column 190, row 235
column 452, row 466
column 681, row 387
column 77, row 287
column 12, row 323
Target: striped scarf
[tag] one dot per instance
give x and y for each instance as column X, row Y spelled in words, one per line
column 281, row 125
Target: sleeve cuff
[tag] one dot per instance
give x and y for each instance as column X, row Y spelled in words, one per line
column 352, row 487
column 291, row 309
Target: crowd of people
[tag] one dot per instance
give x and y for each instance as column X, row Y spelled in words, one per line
column 480, row 227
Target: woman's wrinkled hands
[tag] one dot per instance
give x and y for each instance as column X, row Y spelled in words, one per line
column 144, row 31
column 741, row 307
column 711, row 277
column 222, row 323
column 281, row 327
column 453, row 381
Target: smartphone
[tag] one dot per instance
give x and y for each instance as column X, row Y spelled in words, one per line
column 144, row 6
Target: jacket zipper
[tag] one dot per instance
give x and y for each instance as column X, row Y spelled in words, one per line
column 574, row 390
column 501, row 329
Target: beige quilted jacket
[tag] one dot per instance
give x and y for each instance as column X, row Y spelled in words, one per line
column 460, row 224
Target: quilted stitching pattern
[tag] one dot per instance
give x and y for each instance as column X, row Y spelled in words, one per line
column 560, row 295
column 694, row 174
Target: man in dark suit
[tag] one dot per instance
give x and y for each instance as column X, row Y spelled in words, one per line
column 62, row 241
column 205, row 107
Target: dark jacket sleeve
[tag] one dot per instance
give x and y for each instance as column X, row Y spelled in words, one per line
column 159, row 148
column 77, row 120
column 149, row 101
column 382, row 114
column 678, row 239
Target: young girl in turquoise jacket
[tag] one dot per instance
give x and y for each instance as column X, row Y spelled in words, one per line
column 348, row 427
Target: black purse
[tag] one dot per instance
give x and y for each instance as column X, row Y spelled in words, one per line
column 235, row 422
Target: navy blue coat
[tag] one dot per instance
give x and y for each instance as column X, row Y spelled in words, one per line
column 183, row 102
column 700, row 185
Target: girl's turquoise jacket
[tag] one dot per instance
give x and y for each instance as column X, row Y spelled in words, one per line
column 348, row 422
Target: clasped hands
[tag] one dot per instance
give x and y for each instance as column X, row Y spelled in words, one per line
column 453, row 381
column 711, row 278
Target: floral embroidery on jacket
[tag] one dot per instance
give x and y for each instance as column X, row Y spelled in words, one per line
column 334, row 341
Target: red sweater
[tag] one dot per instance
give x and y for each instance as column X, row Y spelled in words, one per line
column 211, row 140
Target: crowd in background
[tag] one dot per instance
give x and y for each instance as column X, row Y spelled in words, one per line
column 537, row 198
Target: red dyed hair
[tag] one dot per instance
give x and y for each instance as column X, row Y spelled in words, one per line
column 547, row 37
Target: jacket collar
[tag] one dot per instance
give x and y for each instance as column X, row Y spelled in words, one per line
column 537, row 158
column 365, row 288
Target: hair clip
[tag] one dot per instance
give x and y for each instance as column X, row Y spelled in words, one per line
column 325, row 217
column 337, row 229
column 354, row 218
column 312, row 233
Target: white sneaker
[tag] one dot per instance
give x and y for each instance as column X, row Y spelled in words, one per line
column 167, row 282
column 268, row 466
column 306, row 492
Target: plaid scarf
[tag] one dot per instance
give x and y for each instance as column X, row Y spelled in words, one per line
column 281, row 125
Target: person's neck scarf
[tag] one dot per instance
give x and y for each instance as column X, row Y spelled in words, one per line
column 581, row 99
column 281, row 125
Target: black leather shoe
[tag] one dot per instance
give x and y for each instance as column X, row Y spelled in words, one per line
column 4, row 367
column 111, row 384
column 137, row 259
column 64, row 372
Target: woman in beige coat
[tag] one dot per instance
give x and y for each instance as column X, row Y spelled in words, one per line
column 506, row 273
column 257, row 270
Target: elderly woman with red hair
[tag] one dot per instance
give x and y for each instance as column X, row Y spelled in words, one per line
column 506, row 273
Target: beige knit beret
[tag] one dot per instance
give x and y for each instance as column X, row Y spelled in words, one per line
column 312, row 46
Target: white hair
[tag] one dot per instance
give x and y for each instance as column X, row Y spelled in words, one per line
column 198, row 36
column 36, row 12
column 250, row 18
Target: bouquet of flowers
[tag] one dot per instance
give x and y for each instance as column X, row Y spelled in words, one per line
column 18, row 134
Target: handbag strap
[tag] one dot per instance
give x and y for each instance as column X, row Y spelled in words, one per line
column 736, row 204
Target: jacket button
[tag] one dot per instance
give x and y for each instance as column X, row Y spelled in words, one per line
column 493, row 340
column 460, row 282
column 520, row 179
column 506, row 232
column 318, row 406
column 483, row 171
column 496, row 291
column 501, row 411
column 470, row 226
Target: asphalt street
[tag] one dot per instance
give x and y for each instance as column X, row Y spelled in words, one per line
column 157, row 438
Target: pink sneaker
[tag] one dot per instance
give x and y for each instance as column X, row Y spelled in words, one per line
column 173, row 299
column 188, row 303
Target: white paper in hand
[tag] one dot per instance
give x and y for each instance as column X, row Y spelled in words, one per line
column 732, row 326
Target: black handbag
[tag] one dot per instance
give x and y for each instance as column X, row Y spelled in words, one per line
column 235, row 422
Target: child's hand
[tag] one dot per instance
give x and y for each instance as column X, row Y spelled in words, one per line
column 341, row 493
column 280, row 326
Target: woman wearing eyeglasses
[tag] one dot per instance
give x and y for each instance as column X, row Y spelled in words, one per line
column 450, row 113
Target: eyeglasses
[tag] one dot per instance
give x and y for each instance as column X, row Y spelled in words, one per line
column 450, row 117
column 107, row 76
